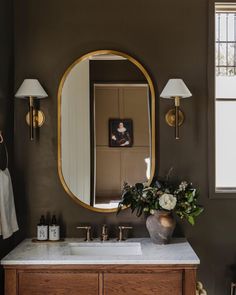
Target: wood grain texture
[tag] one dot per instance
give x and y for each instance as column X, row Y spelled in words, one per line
column 164, row 283
column 11, row 285
column 189, row 282
column 143, row 268
column 100, row 279
column 57, row 283
column 101, row 284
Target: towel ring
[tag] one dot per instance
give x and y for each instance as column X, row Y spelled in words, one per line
column 1, row 137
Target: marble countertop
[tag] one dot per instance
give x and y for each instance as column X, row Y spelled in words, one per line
column 178, row 251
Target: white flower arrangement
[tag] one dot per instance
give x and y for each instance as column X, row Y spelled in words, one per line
column 167, row 201
column 181, row 198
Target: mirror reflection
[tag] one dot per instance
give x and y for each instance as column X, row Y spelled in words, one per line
column 106, row 114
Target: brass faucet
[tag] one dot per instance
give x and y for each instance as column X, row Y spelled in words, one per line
column 120, row 235
column 88, row 232
column 104, row 235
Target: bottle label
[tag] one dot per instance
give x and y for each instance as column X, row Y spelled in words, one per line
column 54, row 233
column 42, row 232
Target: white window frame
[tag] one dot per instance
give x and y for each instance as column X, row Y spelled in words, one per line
column 214, row 192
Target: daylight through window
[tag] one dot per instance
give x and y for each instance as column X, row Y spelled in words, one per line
column 225, row 96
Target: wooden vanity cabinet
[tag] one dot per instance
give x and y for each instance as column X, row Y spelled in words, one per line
column 100, row 279
column 156, row 283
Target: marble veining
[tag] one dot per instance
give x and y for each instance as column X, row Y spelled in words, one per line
column 178, row 251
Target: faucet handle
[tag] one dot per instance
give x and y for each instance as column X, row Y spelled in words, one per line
column 120, row 235
column 88, row 232
column 104, row 234
column 104, row 229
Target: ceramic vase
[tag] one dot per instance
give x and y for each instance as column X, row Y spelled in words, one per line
column 161, row 225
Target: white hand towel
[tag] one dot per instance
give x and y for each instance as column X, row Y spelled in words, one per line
column 8, row 221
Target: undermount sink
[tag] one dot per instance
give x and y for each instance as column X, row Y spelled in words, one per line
column 105, row 249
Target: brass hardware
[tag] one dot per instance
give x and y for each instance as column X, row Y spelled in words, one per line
column 1, row 137
column 31, row 89
column 31, row 111
column 170, row 118
column 175, row 117
column 38, row 118
column 233, row 286
column 104, row 235
column 88, row 232
column 153, row 119
column 175, row 89
column 34, row 118
column 200, row 289
column 225, row 7
column 120, row 234
column 177, row 103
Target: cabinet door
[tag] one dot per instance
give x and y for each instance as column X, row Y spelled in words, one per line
column 164, row 283
column 49, row 283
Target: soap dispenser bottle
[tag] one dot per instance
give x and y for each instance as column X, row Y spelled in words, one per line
column 54, row 230
column 42, row 230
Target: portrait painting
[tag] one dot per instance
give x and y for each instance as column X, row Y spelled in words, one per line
column 120, row 132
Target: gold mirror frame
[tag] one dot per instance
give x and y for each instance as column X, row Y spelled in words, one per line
column 153, row 127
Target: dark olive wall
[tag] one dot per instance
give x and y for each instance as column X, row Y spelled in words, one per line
column 7, row 112
column 118, row 71
column 170, row 39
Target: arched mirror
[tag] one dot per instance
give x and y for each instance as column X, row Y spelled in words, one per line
column 106, row 128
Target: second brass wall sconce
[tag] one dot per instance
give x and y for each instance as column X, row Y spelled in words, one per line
column 175, row 89
column 31, row 89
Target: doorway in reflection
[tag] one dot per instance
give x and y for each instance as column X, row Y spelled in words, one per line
column 125, row 162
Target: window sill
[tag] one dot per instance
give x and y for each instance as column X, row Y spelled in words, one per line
column 223, row 193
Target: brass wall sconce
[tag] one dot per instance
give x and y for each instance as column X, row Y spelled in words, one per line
column 175, row 89
column 31, row 89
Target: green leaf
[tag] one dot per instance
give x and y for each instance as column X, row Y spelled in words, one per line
column 197, row 211
column 190, row 197
column 133, row 207
column 191, row 220
column 139, row 210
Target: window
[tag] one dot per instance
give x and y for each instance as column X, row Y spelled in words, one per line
column 225, row 97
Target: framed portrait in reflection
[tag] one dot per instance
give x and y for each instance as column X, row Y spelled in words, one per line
column 120, row 132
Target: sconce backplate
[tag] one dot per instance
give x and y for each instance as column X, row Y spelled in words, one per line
column 38, row 118
column 170, row 117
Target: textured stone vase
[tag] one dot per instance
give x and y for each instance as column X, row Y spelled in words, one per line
column 161, row 226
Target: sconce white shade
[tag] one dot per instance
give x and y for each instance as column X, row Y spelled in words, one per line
column 31, row 87
column 175, row 88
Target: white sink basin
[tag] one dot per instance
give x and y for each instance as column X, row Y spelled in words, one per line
column 105, row 249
